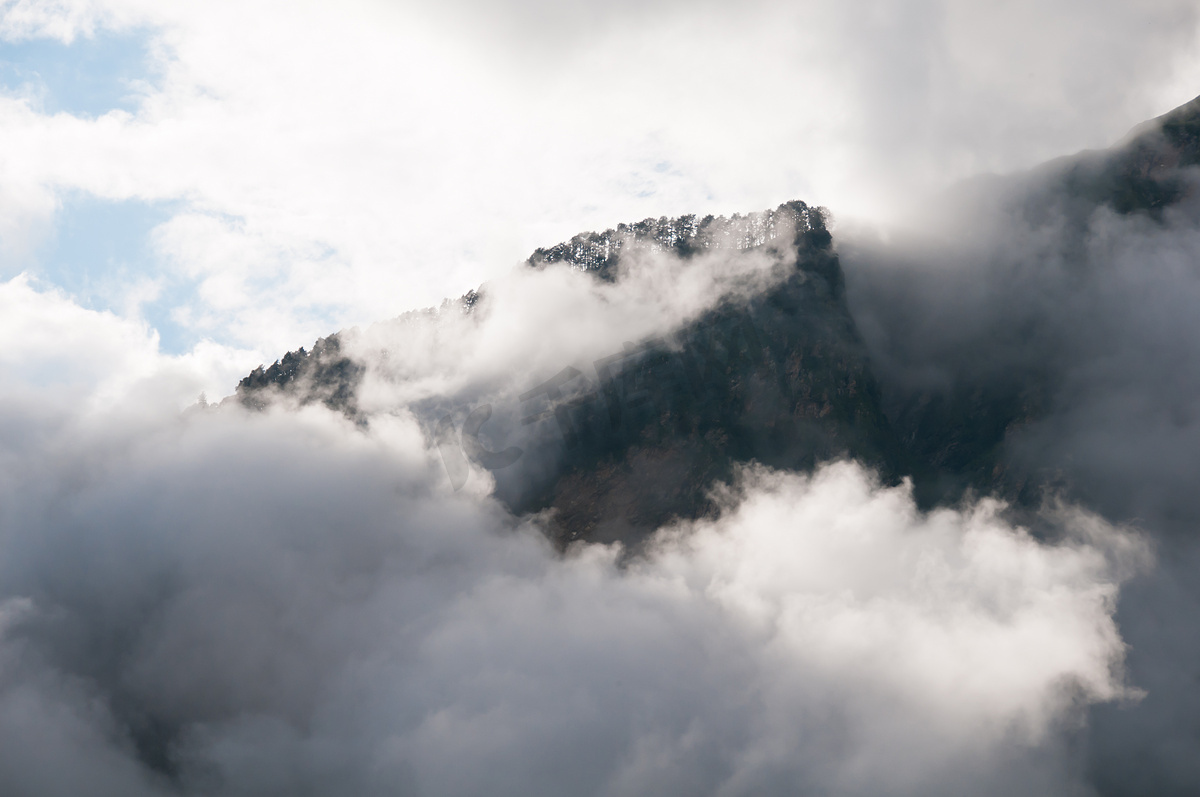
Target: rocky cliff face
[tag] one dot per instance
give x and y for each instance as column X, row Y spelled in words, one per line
column 783, row 380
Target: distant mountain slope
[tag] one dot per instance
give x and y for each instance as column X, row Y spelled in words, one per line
column 1143, row 173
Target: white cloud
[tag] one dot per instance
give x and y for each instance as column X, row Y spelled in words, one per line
column 294, row 605
column 851, row 578
column 423, row 149
column 54, row 353
column 281, row 601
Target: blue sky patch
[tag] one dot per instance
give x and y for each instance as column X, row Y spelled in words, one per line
column 88, row 77
column 101, row 250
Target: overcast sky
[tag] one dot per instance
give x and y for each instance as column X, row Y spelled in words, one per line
column 252, row 174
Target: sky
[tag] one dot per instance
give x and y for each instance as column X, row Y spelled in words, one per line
column 254, row 175
column 200, row 599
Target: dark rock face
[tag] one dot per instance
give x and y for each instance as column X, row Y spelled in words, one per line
column 1052, row 346
column 782, row 380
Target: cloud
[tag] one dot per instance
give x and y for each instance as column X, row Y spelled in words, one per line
column 1070, row 330
column 283, row 603
column 409, row 153
column 534, row 322
column 56, row 354
column 287, row 602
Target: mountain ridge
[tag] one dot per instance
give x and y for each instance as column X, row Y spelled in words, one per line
column 786, row 378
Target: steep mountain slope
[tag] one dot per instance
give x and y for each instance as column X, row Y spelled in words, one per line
column 967, row 352
column 781, row 378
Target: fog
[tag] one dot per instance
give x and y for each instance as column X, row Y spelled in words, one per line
column 200, row 599
column 1087, row 317
column 281, row 603
column 288, row 602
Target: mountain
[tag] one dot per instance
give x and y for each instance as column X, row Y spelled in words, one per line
column 782, row 379
column 786, row 378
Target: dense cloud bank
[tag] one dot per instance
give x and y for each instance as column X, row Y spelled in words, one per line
column 1072, row 329
column 283, row 604
column 289, row 602
column 1090, row 320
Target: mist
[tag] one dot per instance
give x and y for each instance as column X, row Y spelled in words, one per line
column 293, row 601
column 1075, row 324
column 201, row 595
column 257, row 604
